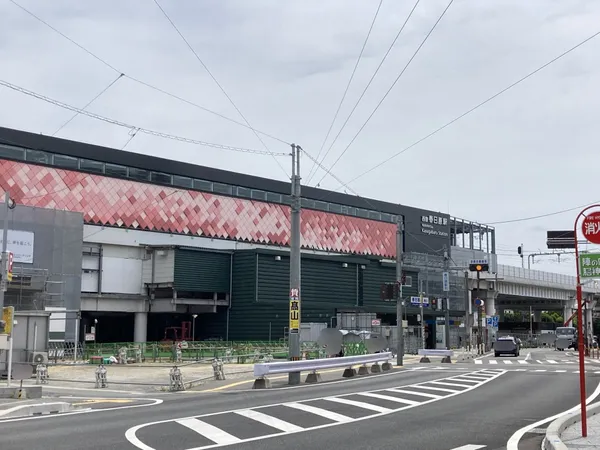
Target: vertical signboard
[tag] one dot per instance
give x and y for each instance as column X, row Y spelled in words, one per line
column 446, row 281
column 8, row 316
column 294, row 311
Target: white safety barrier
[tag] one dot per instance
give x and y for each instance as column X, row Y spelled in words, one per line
column 36, row 410
column 101, row 381
column 262, row 370
column 426, row 353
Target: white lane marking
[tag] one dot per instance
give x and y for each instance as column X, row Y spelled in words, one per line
column 319, row 412
column 460, row 379
column 471, row 377
column 470, row 447
column 528, row 357
column 478, row 361
column 443, row 383
column 523, row 361
column 131, row 437
column 483, row 356
column 271, row 421
column 389, row 398
column 551, row 361
column 209, row 431
column 513, row 442
column 507, row 361
column 155, row 401
column 422, row 394
column 452, row 391
column 539, row 362
column 564, row 371
column 493, row 361
column 363, row 405
column 540, row 370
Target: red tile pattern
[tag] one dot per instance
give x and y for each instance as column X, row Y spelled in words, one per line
column 130, row 204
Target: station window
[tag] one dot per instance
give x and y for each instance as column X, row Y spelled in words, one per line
column 221, row 188
column 244, row 192
column 258, row 195
column 163, row 178
column 115, row 170
column 273, row 197
column 37, row 156
column 386, row 217
column 362, row 213
column 203, row 185
column 321, row 205
column 307, row 203
column 335, row 208
column 66, row 162
column 180, row 181
column 12, row 152
column 374, row 215
column 91, row 166
column 286, row 199
column 351, row 211
column 139, row 174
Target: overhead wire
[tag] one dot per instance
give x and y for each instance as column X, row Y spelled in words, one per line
column 217, row 82
column 370, row 81
column 88, row 104
column 133, row 127
column 390, row 89
column 364, row 45
column 139, row 81
column 469, row 111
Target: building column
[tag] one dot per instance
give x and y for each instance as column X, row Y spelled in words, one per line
column 490, row 306
column 501, row 315
column 140, row 329
column 537, row 316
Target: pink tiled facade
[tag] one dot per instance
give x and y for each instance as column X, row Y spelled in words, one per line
column 130, row 204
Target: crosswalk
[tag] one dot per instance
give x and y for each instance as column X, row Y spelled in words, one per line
column 245, row 425
column 524, row 361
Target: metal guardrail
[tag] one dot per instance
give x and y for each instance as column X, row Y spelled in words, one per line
column 262, row 370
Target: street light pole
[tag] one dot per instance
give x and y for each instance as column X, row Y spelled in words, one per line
column 8, row 204
column 194, row 327
column 399, row 300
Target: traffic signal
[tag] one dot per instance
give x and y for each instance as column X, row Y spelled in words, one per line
column 479, row 267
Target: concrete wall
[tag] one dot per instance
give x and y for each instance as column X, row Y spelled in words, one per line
column 57, row 245
column 25, row 337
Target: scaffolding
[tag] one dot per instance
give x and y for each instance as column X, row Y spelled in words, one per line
column 34, row 289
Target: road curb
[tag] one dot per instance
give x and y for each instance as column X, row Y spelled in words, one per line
column 552, row 440
column 37, row 409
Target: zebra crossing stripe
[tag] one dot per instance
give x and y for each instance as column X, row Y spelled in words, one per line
column 271, row 421
column 211, row 432
column 522, row 361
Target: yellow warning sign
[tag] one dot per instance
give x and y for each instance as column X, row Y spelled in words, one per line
column 294, row 314
column 8, row 316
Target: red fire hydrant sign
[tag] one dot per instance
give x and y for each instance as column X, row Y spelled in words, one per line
column 591, row 228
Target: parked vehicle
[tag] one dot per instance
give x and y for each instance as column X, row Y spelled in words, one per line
column 506, row 345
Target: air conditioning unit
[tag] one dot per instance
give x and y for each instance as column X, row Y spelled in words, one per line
column 38, row 357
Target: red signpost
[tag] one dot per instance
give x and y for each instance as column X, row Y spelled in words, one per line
column 590, row 228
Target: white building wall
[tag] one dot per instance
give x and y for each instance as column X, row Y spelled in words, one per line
column 122, row 269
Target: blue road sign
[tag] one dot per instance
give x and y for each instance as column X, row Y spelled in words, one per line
column 416, row 301
column 492, row 321
column 445, row 281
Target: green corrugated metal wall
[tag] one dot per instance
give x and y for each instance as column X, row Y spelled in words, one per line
column 327, row 286
column 201, row 271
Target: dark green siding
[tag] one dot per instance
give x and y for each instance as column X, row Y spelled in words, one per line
column 202, row 271
column 376, row 274
column 212, row 325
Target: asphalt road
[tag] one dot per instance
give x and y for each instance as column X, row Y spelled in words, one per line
column 482, row 405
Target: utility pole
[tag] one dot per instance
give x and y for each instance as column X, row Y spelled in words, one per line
column 399, row 300
column 8, row 205
column 422, row 320
column 530, row 323
column 446, row 299
column 295, row 309
column 480, row 324
column 468, row 327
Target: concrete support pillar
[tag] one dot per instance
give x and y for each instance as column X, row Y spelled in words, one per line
column 500, row 314
column 490, row 306
column 140, row 329
column 537, row 316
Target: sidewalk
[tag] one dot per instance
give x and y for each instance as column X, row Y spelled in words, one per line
column 571, row 436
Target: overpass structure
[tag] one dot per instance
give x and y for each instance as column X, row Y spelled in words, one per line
column 515, row 288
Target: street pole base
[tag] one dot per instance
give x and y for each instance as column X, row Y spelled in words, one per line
column 262, row 383
column 294, row 378
column 386, row 366
column 375, row 368
column 446, row 360
column 424, row 359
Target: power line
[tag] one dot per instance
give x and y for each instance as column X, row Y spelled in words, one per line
column 133, row 127
column 370, row 81
column 555, row 213
column 391, row 87
column 88, row 104
column 310, row 172
column 217, row 82
column 137, row 80
column 456, row 119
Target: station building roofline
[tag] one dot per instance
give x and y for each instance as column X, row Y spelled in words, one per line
column 35, row 141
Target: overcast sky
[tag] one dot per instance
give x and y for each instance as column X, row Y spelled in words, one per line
column 286, row 64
